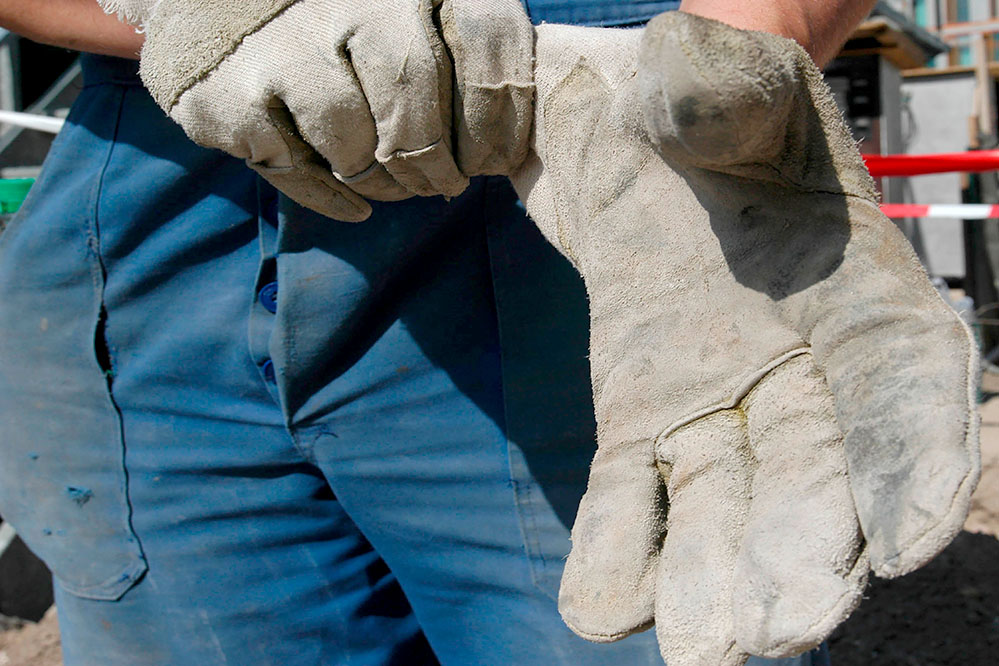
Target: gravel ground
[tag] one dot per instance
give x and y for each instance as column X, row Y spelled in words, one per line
column 32, row 644
column 943, row 615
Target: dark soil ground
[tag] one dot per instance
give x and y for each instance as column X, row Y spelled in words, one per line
column 947, row 613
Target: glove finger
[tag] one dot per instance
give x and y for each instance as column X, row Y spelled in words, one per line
column 409, row 94
column 350, row 158
column 898, row 361
column 801, row 570
column 228, row 119
column 608, row 585
column 708, row 469
column 303, row 175
column 492, row 44
column 314, row 187
column 708, row 110
column 902, row 367
column 328, row 108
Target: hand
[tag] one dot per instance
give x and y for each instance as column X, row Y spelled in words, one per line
column 336, row 100
column 783, row 401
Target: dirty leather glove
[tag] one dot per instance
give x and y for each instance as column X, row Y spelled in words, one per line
column 336, row 100
column 783, row 400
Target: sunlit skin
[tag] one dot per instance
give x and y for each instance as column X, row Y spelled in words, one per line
column 820, row 26
column 80, row 25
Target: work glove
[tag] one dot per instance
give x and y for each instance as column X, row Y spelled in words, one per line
column 783, row 401
column 336, row 100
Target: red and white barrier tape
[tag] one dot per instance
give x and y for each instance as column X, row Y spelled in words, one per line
column 916, row 165
column 958, row 211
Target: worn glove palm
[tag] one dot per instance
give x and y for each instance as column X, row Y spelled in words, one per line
column 335, row 100
column 783, row 401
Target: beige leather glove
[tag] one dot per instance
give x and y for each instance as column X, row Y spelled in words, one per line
column 335, row 100
column 783, row 400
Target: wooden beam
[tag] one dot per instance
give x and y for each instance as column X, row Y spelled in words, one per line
column 877, row 36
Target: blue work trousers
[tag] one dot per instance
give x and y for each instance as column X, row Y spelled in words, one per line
column 241, row 433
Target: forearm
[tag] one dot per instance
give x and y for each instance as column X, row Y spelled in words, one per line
column 80, row 25
column 820, row 26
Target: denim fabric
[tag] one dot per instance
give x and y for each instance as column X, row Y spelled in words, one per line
column 597, row 12
column 138, row 434
column 242, row 433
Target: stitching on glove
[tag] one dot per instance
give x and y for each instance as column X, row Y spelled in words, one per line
column 502, row 85
column 608, row 638
column 403, row 154
column 741, row 392
column 360, row 175
column 563, row 238
column 890, row 567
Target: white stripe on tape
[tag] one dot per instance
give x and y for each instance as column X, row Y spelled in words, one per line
column 963, row 211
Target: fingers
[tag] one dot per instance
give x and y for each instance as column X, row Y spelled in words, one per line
column 405, row 73
column 608, row 586
column 899, row 363
column 800, row 569
column 328, row 133
column 328, row 109
column 708, row 466
column 713, row 95
column 307, row 180
column 231, row 119
column 901, row 366
column 492, row 44
column 319, row 89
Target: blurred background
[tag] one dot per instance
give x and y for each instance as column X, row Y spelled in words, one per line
column 917, row 79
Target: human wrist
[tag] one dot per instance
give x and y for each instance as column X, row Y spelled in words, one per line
column 79, row 25
column 820, row 28
column 778, row 17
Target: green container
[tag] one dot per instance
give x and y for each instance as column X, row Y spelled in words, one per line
column 13, row 191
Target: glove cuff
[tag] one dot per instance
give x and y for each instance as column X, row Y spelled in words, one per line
column 186, row 39
column 131, row 11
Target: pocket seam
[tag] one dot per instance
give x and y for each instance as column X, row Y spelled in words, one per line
column 112, row 589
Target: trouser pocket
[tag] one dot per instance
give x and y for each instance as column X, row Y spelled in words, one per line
column 63, row 483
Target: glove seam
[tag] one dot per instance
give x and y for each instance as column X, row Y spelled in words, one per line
column 361, row 175
column 742, row 390
column 860, row 567
column 609, row 638
column 403, row 154
column 800, row 187
column 890, row 568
